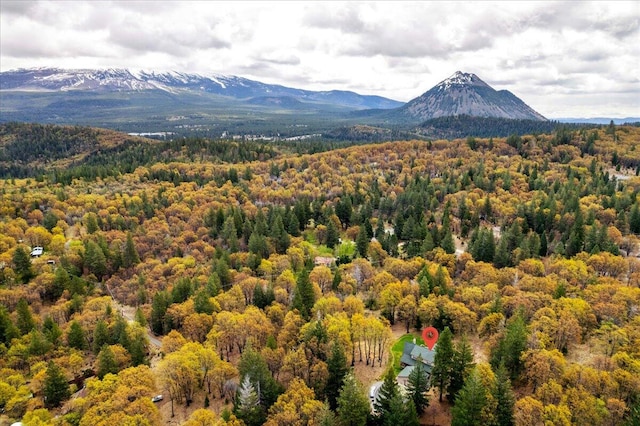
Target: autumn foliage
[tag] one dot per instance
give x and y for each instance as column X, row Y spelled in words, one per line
column 251, row 270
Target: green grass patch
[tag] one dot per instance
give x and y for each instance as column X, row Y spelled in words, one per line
column 396, row 349
column 324, row 251
column 310, row 237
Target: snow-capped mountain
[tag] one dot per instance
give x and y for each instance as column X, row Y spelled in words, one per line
column 124, row 80
column 466, row 94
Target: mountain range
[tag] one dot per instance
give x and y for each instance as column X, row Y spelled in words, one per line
column 154, row 101
column 125, row 80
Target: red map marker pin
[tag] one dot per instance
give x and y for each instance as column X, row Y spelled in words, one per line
column 430, row 337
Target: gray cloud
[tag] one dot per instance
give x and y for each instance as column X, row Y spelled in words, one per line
column 327, row 16
column 20, row 8
column 549, row 53
column 139, row 37
column 279, row 59
column 620, row 27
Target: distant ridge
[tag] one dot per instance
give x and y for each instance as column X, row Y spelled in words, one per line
column 176, row 83
column 600, row 120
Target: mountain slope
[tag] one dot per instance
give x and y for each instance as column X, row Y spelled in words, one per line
column 124, row 80
column 466, row 94
column 29, row 148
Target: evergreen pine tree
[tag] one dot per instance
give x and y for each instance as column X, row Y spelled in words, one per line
column 293, row 225
column 591, row 243
column 95, row 260
column 138, row 351
column 247, row 405
column 230, row 235
column 91, row 223
column 332, row 237
column 427, row 243
column 258, row 245
column 447, row 243
column 362, row 242
column 511, row 346
column 100, row 336
column 252, row 364
column 38, row 343
column 387, row 392
column 470, row 402
column 575, row 243
column 159, row 306
column 337, row 367
column 76, row 336
column 462, row 362
column 505, row 399
column 418, row 386
column 280, row 237
column 61, row 281
column 213, row 285
column 442, row 362
column 22, row 264
column 337, row 279
column 633, row 415
column 51, row 330
column 202, row 303
column 487, row 209
column 24, row 320
column 406, row 233
column 440, row 281
column 353, row 406
column 130, row 256
column 475, row 235
column 55, row 387
column 140, row 318
column 49, row 221
column 400, row 412
column 502, row 257
column 634, row 219
column 379, row 233
column 222, row 271
column 106, row 362
column 119, row 333
column 303, row 297
column 366, row 223
column 544, row 245
column 487, row 246
column 8, row 330
column 344, row 209
column 425, row 282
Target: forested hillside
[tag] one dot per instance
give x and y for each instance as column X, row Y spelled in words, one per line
column 30, row 149
column 461, row 126
column 252, row 284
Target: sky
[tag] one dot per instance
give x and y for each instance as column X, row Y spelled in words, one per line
column 564, row 59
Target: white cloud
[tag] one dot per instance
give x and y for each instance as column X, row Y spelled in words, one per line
column 567, row 58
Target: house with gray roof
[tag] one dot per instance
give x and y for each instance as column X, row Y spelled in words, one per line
column 411, row 355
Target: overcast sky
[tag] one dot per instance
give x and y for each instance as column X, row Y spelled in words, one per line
column 564, row 59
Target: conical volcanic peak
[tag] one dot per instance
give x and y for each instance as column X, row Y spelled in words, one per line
column 466, row 94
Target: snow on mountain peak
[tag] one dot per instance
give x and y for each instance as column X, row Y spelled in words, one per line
column 459, row 78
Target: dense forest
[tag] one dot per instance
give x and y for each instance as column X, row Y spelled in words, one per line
column 461, row 126
column 67, row 152
column 251, row 283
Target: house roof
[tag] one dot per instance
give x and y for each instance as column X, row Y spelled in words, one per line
column 406, row 371
column 425, row 353
column 411, row 352
column 324, row 261
column 407, row 360
column 409, row 368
